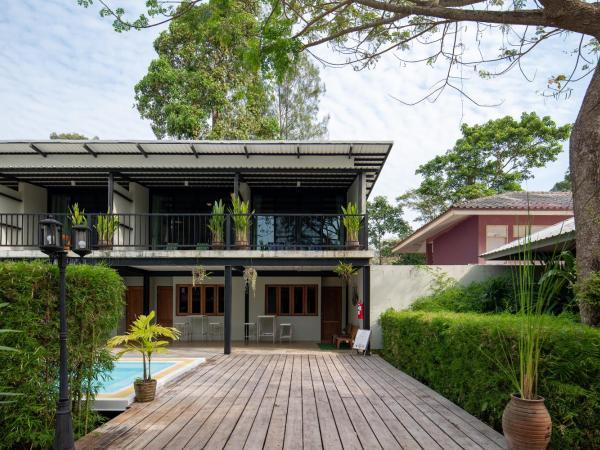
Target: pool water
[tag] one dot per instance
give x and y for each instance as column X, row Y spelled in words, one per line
column 125, row 372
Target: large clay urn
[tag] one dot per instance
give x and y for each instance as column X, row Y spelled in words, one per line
column 526, row 424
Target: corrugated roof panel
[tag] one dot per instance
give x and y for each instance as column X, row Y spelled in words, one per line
column 60, row 147
column 168, row 147
column 115, row 147
column 16, row 147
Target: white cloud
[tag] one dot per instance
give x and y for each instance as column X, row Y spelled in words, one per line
column 64, row 69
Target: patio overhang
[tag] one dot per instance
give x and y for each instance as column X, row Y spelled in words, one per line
column 193, row 163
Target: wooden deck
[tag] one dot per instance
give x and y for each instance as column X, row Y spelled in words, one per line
column 314, row 401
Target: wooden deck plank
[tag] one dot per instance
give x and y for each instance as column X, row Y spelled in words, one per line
column 344, row 425
column 276, row 431
column 231, row 387
column 329, row 431
column 260, row 426
column 477, row 430
column 385, row 425
column 193, row 403
column 367, row 437
column 311, row 433
column 276, row 400
column 222, row 421
column 121, row 424
column 242, row 428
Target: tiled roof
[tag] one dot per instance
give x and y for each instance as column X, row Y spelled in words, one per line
column 521, row 200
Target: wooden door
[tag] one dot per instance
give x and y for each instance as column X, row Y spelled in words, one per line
column 135, row 303
column 164, row 305
column 331, row 313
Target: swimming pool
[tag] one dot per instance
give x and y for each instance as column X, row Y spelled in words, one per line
column 125, row 372
column 116, row 392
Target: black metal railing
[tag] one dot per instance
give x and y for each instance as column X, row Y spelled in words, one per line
column 165, row 231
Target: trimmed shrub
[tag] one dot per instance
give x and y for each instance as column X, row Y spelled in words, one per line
column 492, row 295
column 458, row 355
column 94, row 305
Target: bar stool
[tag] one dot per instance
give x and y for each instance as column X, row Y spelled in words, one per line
column 285, row 331
column 215, row 329
column 250, row 331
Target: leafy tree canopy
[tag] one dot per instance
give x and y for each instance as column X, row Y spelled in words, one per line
column 385, row 221
column 564, row 185
column 490, row 158
column 70, row 136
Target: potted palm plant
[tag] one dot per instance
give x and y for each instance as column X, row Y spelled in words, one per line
column 526, row 422
column 145, row 337
column 216, row 225
column 351, row 221
column 242, row 218
column 106, row 227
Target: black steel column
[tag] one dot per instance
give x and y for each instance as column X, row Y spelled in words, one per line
column 111, row 192
column 146, row 288
column 367, row 301
column 236, row 184
column 246, row 310
column 63, row 438
column 227, row 318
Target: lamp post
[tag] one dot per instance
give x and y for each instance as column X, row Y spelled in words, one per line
column 51, row 243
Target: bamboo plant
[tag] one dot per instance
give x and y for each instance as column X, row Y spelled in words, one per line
column 216, row 223
column 242, row 218
column 351, row 221
column 144, row 337
column 106, row 227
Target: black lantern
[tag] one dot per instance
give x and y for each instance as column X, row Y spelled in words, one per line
column 80, row 239
column 51, row 240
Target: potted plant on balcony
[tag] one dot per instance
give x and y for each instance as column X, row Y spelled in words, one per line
column 145, row 337
column 242, row 217
column 351, row 221
column 106, row 227
column 216, row 225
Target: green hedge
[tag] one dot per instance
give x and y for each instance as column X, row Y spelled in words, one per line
column 454, row 354
column 94, row 303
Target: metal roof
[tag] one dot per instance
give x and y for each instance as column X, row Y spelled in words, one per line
column 546, row 240
column 200, row 163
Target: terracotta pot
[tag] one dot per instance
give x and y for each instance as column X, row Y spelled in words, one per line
column 217, row 245
column 242, row 245
column 104, row 244
column 353, row 245
column 66, row 242
column 145, row 391
column 526, row 424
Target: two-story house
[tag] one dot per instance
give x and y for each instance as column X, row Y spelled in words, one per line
column 158, row 198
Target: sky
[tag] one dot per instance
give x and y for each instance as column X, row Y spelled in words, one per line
column 64, row 69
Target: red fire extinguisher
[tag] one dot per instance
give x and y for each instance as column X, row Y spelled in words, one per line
column 361, row 313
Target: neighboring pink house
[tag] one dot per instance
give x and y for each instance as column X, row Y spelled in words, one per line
column 471, row 228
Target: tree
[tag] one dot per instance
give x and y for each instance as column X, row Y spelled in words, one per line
column 385, row 219
column 70, row 136
column 564, row 185
column 363, row 30
column 297, row 102
column 200, row 87
column 490, row 158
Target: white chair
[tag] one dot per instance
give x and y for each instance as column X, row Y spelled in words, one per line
column 215, row 330
column 250, row 331
column 285, row 331
column 199, row 328
column 183, row 328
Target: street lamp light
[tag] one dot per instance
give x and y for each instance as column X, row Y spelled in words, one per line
column 52, row 245
column 80, row 239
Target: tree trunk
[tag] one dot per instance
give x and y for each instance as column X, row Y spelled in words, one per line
column 585, row 172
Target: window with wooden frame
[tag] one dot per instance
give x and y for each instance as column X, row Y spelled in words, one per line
column 208, row 300
column 292, row 300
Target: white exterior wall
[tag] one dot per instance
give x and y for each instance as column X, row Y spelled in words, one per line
column 33, row 199
column 398, row 287
column 354, row 193
column 139, row 204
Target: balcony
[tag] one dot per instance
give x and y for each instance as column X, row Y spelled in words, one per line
column 161, row 231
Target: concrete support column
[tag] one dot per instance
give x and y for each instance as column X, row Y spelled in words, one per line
column 228, row 309
column 367, row 300
column 146, row 289
column 111, row 192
